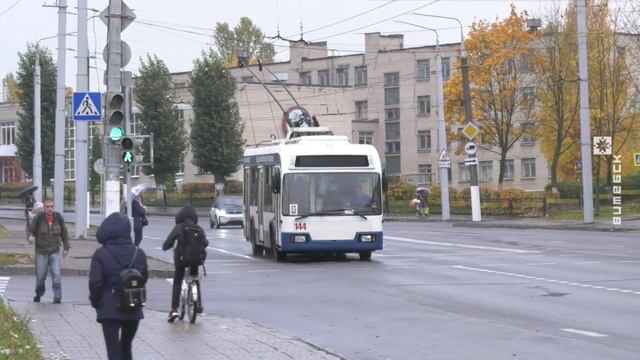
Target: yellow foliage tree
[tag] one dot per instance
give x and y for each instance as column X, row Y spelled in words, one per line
column 500, row 55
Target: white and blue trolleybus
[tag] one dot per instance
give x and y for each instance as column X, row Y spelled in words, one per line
column 313, row 192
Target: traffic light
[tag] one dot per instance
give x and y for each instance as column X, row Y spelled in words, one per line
column 115, row 115
column 131, row 150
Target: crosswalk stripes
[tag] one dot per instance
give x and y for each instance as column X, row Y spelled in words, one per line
column 4, row 281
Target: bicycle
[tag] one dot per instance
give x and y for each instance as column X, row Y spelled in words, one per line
column 190, row 300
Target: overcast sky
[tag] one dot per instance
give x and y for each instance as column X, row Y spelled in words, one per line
column 177, row 31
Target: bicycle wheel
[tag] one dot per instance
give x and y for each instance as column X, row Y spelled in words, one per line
column 192, row 299
column 183, row 303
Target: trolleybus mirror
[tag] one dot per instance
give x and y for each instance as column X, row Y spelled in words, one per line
column 275, row 181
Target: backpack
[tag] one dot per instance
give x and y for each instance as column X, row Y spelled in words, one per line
column 192, row 247
column 130, row 293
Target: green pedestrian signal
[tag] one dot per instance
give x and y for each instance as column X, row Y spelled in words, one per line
column 127, row 157
column 127, row 151
column 116, row 134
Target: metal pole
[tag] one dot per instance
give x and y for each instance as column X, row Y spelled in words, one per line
column 112, row 161
column 476, row 213
column 60, row 120
column 443, row 173
column 37, row 142
column 82, row 127
column 585, row 125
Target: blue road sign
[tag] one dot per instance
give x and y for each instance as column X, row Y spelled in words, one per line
column 87, row 106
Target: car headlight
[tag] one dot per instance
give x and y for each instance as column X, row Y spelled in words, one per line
column 368, row 237
column 221, row 212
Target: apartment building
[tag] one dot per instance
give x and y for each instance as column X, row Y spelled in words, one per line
column 9, row 161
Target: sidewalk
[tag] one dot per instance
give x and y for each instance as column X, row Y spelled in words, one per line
column 70, row 331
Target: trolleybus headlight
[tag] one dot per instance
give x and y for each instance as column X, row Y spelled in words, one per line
column 368, row 237
column 299, row 238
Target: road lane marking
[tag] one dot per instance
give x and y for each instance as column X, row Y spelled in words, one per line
column 152, row 237
column 401, row 267
column 587, row 262
column 628, row 261
column 541, row 263
column 4, row 281
column 230, row 253
column 262, row 271
column 555, row 281
column 465, row 246
column 584, row 332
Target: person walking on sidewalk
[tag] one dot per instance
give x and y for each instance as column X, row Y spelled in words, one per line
column 118, row 326
column 185, row 219
column 139, row 217
column 48, row 231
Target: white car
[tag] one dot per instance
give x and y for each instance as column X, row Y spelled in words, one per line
column 226, row 210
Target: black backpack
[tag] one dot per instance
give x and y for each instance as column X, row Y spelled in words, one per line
column 192, row 248
column 130, row 293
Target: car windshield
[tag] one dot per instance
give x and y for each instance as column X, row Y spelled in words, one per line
column 225, row 202
column 331, row 194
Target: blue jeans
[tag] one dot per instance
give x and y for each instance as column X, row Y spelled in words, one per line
column 44, row 263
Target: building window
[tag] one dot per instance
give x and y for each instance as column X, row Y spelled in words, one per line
column 529, row 168
column 70, row 149
column 423, row 70
column 424, row 174
column 525, row 64
column 323, row 77
column 392, row 164
column 446, row 69
column 424, row 140
column 365, row 137
column 392, row 114
column 392, row 131
column 507, row 172
column 361, row 75
column 361, row 110
column 392, row 96
column 486, row 170
column 201, row 171
column 136, row 126
column 179, row 113
column 8, row 174
column 7, row 133
column 305, row 78
column 464, row 175
column 527, row 138
column 424, row 105
column 181, row 165
column 392, row 147
column 528, row 93
column 342, row 76
column 391, row 79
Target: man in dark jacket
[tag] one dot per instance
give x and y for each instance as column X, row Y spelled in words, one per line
column 186, row 217
column 139, row 215
column 48, row 231
column 118, row 326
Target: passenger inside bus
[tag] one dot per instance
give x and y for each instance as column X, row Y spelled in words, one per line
column 359, row 198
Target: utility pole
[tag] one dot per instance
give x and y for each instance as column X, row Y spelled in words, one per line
column 60, row 119
column 37, row 142
column 585, row 125
column 443, row 170
column 82, row 127
column 114, row 116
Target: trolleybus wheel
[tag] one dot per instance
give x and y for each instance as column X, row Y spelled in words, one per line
column 365, row 255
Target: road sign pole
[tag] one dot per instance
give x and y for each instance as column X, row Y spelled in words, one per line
column 82, row 127
column 476, row 214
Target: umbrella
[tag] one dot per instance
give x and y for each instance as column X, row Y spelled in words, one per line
column 140, row 188
column 422, row 191
column 27, row 192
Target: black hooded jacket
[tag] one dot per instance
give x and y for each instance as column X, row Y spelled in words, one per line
column 186, row 216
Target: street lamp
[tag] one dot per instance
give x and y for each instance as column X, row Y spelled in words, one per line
column 476, row 214
column 442, row 132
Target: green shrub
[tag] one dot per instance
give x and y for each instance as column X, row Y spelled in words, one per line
column 16, row 339
column 567, row 190
column 198, row 188
column 233, row 187
column 400, row 191
column 512, row 193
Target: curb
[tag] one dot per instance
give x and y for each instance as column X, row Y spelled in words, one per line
column 547, row 227
column 31, row 270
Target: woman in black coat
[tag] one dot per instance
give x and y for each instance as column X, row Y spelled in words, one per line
column 118, row 326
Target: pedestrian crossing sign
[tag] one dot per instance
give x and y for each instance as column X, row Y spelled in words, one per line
column 87, row 106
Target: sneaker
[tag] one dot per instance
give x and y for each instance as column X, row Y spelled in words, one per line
column 36, row 298
column 173, row 315
column 56, row 301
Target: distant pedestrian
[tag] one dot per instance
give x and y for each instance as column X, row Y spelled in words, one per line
column 186, row 218
column 48, row 231
column 139, row 217
column 118, row 326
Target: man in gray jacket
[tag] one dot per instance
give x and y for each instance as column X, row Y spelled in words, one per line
column 48, row 231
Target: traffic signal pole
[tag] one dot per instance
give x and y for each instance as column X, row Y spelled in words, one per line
column 82, row 127
column 114, row 87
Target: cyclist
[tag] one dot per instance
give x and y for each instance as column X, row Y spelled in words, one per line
column 186, row 217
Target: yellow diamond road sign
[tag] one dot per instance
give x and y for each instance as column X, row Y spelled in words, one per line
column 470, row 130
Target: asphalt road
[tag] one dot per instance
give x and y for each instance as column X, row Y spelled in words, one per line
column 434, row 292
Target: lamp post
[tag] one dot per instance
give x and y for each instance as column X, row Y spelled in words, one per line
column 443, row 171
column 476, row 214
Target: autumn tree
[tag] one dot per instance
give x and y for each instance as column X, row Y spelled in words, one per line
column 244, row 36
column 503, row 105
column 155, row 98
column 556, row 74
column 25, row 85
column 10, row 89
column 216, row 130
